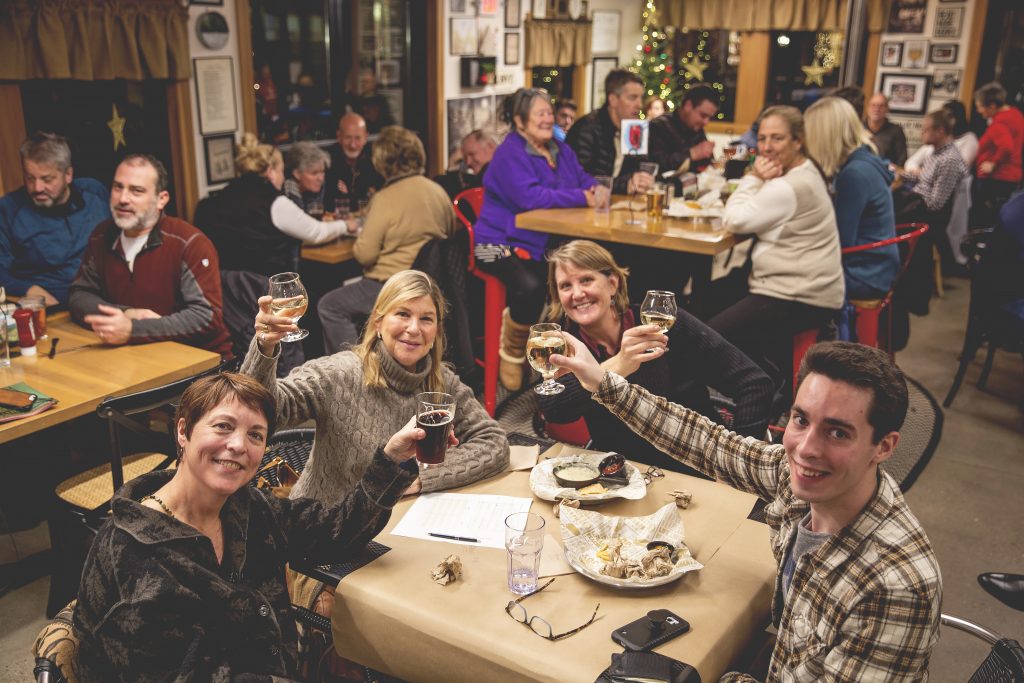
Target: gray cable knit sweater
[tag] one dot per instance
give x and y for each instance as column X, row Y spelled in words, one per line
column 353, row 420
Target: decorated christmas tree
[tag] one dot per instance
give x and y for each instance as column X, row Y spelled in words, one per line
column 653, row 62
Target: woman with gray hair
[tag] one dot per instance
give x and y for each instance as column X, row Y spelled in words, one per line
column 306, row 166
column 409, row 211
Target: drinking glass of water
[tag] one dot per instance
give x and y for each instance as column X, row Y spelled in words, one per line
column 524, row 540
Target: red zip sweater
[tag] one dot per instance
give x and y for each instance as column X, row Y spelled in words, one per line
column 1002, row 144
column 177, row 274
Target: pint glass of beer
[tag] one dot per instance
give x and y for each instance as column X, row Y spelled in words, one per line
column 435, row 414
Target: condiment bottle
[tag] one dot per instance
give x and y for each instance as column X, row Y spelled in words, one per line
column 25, row 321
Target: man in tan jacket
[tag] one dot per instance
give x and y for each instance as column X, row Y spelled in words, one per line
column 405, row 214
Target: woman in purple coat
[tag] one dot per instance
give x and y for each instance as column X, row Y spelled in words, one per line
column 529, row 170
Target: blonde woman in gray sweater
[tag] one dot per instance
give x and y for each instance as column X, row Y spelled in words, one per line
column 360, row 397
column 796, row 280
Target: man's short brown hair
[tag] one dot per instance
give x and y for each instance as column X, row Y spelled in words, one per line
column 162, row 179
column 209, row 392
column 864, row 367
column 617, row 79
column 941, row 119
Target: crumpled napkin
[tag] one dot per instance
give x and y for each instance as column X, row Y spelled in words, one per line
column 449, row 569
column 683, row 497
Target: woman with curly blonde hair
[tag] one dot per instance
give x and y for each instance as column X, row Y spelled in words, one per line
column 253, row 225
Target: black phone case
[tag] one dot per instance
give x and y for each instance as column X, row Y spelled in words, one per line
column 638, row 635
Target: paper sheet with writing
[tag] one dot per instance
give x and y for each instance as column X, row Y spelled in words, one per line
column 465, row 515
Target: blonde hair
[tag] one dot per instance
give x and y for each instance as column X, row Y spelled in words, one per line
column 256, row 157
column 398, row 152
column 834, row 131
column 400, row 288
column 589, row 256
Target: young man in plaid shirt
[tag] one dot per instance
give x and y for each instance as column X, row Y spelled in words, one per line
column 858, row 593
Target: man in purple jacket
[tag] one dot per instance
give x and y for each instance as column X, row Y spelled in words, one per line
column 529, row 170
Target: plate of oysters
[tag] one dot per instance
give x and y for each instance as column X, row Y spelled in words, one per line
column 627, row 552
column 588, row 478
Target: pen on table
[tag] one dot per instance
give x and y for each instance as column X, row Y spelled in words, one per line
column 453, row 538
column 53, row 347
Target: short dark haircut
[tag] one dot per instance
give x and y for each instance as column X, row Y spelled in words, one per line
column 853, row 95
column 957, row 110
column 617, row 79
column 941, row 119
column 207, row 393
column 162, row 182
column 519, row 103
column 47, row 148
column 700, row 93
column 864, row 367
column 566, row 104
column 991, row 94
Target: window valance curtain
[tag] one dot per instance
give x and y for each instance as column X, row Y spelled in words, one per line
column 767, row 15
column 557, row 43
column 94, row 39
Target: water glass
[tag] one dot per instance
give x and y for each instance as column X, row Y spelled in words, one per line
column 650, row 168
column 524, row 540
column 342, row 208
column 602, row 194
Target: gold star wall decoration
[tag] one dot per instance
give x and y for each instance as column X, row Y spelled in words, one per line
column 695, row 68
column 815, row 72
column 116, row 126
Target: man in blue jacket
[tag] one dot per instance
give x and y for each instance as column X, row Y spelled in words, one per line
column 45, row 225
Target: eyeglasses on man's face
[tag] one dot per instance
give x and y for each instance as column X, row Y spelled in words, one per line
column 539, row 625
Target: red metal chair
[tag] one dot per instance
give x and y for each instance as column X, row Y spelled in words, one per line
column 869, row 313
column 494, row 302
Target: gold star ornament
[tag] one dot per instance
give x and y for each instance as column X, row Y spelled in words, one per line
column 695, row 68
column 116, row 126
column 815, row 72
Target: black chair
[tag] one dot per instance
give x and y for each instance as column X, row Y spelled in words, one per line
column 990, row 259
column 83, row 500
column 1005, row 661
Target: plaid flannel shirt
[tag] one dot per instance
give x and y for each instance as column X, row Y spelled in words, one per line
column 864, row 606
column 940, row 175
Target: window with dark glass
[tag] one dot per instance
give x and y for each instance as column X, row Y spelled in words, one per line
column 708, row 56
column 804, row 65
column 557, row 80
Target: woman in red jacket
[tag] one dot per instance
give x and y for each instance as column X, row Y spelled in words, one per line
column 998, row 165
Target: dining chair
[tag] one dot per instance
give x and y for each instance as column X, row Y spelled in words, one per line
column 1005, row 660
column 83, row 500
column 494, row 301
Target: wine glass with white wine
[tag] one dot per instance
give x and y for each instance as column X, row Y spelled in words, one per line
column 290, row 301
column 545, row 339
column 659, row 308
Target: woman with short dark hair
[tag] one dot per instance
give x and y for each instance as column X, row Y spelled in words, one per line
column 186, row 580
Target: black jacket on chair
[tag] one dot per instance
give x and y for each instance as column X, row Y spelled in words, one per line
column 594, row 138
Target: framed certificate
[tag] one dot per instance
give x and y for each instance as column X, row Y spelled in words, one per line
column 215, row 95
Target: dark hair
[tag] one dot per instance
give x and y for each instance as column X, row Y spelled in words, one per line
column 519, row 104
column 864, row 367
column 991, row 94
column 853, row 95
column 617, row 79
column 957, row 110
column 209, row 392
column 162, row 181
column 700, row 93
column 566, row 104
column 47, row 148
column 941, row 119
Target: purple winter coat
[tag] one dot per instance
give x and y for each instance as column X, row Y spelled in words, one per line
column 519, row 180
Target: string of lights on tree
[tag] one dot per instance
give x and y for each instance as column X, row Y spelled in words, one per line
column 665, row 76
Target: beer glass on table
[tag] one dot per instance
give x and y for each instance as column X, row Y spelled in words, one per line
column 659, row 308
column 435, row 415
column 545, row 339
column 290, row 301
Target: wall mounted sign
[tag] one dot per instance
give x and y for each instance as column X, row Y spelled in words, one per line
column 215, row 94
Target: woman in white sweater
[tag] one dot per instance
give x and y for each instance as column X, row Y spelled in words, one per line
column 796, row 281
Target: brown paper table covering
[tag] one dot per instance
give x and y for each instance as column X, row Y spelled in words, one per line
column 390, row 615
column 84, row 372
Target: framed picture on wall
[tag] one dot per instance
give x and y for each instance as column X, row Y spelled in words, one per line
column 513, row 14
column 943, row 53
column 602, row 65
column 907, row 93
column 946, row 83
column 604, row 37
column 892, row 53
column 948, row 22
column 511, row 48
column 220, row 158
column 915, row 54
column 907, row 16
column 215, row 94
column 214, row 3
column 463, row 35
column 454, row 7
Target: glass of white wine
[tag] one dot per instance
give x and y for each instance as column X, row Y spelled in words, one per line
column 659, row 308
column 290, row 301
column 545, row 339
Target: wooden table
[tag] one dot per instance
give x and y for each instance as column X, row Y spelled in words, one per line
column 391, row 616
column 81, row 376
column 338, row 251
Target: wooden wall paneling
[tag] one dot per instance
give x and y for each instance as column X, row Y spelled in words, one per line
column 12, row 134
column 968, row 83
column 436, row 49
column 243, row 22
column 183, row 148
column 751, row 83
column 870, row 66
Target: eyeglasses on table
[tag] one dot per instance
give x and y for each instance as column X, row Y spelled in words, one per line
column 539, row 625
